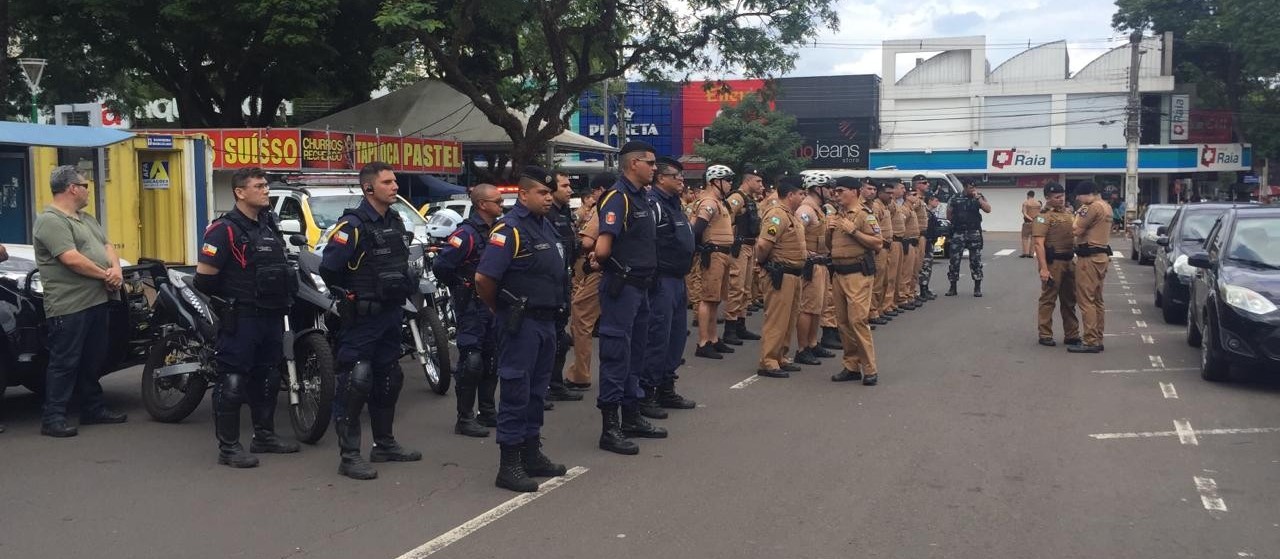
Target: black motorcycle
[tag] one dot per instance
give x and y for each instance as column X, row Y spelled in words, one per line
column 426, row 337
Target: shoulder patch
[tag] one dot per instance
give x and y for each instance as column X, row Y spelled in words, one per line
column 498, row 239
column 773, row 229
column 455, row 241
column 611, row 218
column 805, row 218
column 775, row 220
column 209, row 250
column 341, row 237
column 735, row 201
column 1039, row 219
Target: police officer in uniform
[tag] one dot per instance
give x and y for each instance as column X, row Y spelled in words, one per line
column 897, row 219
column 855, row 238
column 910, row 249
column 782, row 254
column 366, row 262
column 562, row 219
column 1092, row 230
column 521, row 278
column 925, row 259
column 813, row 283
column 668, row 313
column 456, row 267
column 746, row 227
column 713, row 227
column 242, row 262
column 966, row 233
column 627, row 251
column 693, row 280
column 584, row 307
column 932, row 232
column 1054, row 252
column 880, row 207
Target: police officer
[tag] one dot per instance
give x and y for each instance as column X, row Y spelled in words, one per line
column 561, row 217
column 855, row 237
column 242, row 262
column 910, row 246
column 782, row 254
column 1092, row 230
column 521, row 278
column 1054, row 251
column 366, row 262
column 713, row 227
column 693, row 280
column 456, row 267
column 746, row 227
column 668, row 313
column 932, row 232
column 813, row 283
column 880, row 284
column 897, row 219
column 966, row 233
column 627, row 251
column 584, row 306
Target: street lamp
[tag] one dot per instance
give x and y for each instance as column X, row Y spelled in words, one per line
column 33, row 70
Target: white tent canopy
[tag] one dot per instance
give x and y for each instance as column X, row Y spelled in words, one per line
column 433, row 109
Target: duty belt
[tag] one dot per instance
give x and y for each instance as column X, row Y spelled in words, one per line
column 858, row 266
column 1051, row 256
column 708, row 247
column 542, row 313
column 1089, row 250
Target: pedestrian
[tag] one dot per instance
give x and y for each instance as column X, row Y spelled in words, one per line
column 81, row 274
column 562, row 219
column 1092, row 231
column 746, row 227
column 668, row 313
column 584, row 307
column 932, row 233
column 855, row 238
column 521, row 278
column 1030, row 209
column 242, row 263
column 781, row 254
column 1054, row 253
column 713, row 228
column 627, row 251
column 475, row 377
column 1117, row 213
column 814, row 280
column 881, row 207
column 366, row 258
column 928, row 228
column 910, row 240
column 965, row 213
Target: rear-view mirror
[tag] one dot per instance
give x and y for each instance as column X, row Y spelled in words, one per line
column 1163, row 241
column 297, row 240
column 1162, row 230
column 290, row 226
column 1199, row 260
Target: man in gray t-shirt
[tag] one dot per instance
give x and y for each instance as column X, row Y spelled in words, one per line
column 80, row 274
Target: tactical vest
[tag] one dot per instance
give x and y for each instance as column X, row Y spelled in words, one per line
column 966, row 214
column 719, row 229
column 562, row 221
column 259, row 274
column 636, row 247
column 746, row 226
column 844, row 247
column 479, row 235
column 675, row 238
column 815, row 234
column 541, row 276
column 383, row 270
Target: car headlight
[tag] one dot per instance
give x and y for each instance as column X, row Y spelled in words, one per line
column 319, row 283
column 1247, row 299
column 1182, row 268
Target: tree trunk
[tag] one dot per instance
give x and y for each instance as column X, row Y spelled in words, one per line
column 4, row 56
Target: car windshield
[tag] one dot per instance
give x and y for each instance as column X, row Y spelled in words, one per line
column 1256, row 242
column 16, row 266
column 327, row 209
column 1159, row 216
column 1196, row 225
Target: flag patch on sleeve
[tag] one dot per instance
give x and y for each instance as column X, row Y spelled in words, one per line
column 498, row 240
column 209, row 250
column 611, row 218
column 341, row 237
column 455, row 242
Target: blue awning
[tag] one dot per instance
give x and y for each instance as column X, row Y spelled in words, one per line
column 26, row 134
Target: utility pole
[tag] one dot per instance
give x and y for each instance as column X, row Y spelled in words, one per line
column 1132, row 128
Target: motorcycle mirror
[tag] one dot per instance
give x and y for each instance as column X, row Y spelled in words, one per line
column 297, row 240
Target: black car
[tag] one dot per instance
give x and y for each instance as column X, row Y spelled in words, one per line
column 1185, row 234
column 1233, row 316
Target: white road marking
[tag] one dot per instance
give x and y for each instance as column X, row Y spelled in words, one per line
column 1148, row 339
column 1153, row 434
column 1170, row 393
column 1005, row 252
column 1137, row 311
column 1186, row 435
column 1117, row 256
column 1126, row 371
column 1133, row 301
column 1140, row 323
column 1208, row 490
column 745, row 382
column 467, row 528
column 1157, row 362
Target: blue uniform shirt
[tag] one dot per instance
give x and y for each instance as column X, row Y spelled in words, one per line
column 675, row 237
column 219, row 246
column 525, row 257
column 344, row 249
column 626, row 214
column 462, row 252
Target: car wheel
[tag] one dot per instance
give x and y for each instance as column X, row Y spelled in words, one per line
column 1214, row 366
column 1133, row 253
column 1172, row 313
column 1159, row 299
column 1193, row 332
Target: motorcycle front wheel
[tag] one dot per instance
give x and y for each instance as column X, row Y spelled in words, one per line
column 438, row 369
column 315, row 363
column 172, row 398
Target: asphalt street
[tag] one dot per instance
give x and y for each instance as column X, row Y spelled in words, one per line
column 977, row 443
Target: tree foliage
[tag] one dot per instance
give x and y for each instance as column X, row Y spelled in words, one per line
column 753, row 132
column 541, row 55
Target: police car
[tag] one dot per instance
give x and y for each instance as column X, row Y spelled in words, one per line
column 310, row 210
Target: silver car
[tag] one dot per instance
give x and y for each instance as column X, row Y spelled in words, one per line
column 1142, row 233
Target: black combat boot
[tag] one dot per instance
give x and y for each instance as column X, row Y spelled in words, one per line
column 226, row 427
column 536, row 464
column 951, row 292
column 353, row 465
column 511, row 474
column 467, row 424
column 722, row 347
column 820, row 352
column 831, row 338
column 707, row 351
column 977, row 288
column 649, row 404
column 743, row 333
column 265, row 439
column 634, row 425
column 668, row 398
column 731, row 333
column 488, row 414
column 803, row 357
column 611, row 437
column 385, row 446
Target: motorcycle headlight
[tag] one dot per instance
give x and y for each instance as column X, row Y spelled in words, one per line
column 319, row 283
column 1247, row 299
column 1182, row 268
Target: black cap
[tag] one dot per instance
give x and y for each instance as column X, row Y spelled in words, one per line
column 919, row 178
column 847, row 182
column 789, row 184
column 671, row 161
column 868, row 180
column 885, row 187
column 636, row 145
column 1086, row 187
column 750, row 169
column 603, row 180
column 1052, row 187
column 538, row 174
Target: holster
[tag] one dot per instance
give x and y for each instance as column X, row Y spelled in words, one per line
column 515, row 311
column 464, row 297
column 775, row 274
column 227, row 313
column 907, row 244
column 807, row 274
column 736, row 249
column 704, row 255
column 869, row 264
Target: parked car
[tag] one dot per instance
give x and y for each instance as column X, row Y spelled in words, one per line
column 1142, row 233
column 311, row 210
column 1233, row 316
column 1185, row 234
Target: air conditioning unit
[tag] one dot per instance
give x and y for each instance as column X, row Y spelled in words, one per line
column 78, row 114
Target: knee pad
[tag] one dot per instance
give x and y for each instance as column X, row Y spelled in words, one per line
column 234, row 388
column 471, row 365
column 386, row 386
column 361, row 382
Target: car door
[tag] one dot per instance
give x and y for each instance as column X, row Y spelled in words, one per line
column 1204, row 280
column 1162, row 263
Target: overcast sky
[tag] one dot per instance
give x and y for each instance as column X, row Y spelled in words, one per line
column 1084, row 24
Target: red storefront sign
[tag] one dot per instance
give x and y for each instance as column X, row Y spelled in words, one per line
column 702, row 105
column 292, row 149
column 1209, row 127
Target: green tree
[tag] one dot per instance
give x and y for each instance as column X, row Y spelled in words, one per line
column 542, row 55
column 753, row 132
column 212, row 56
